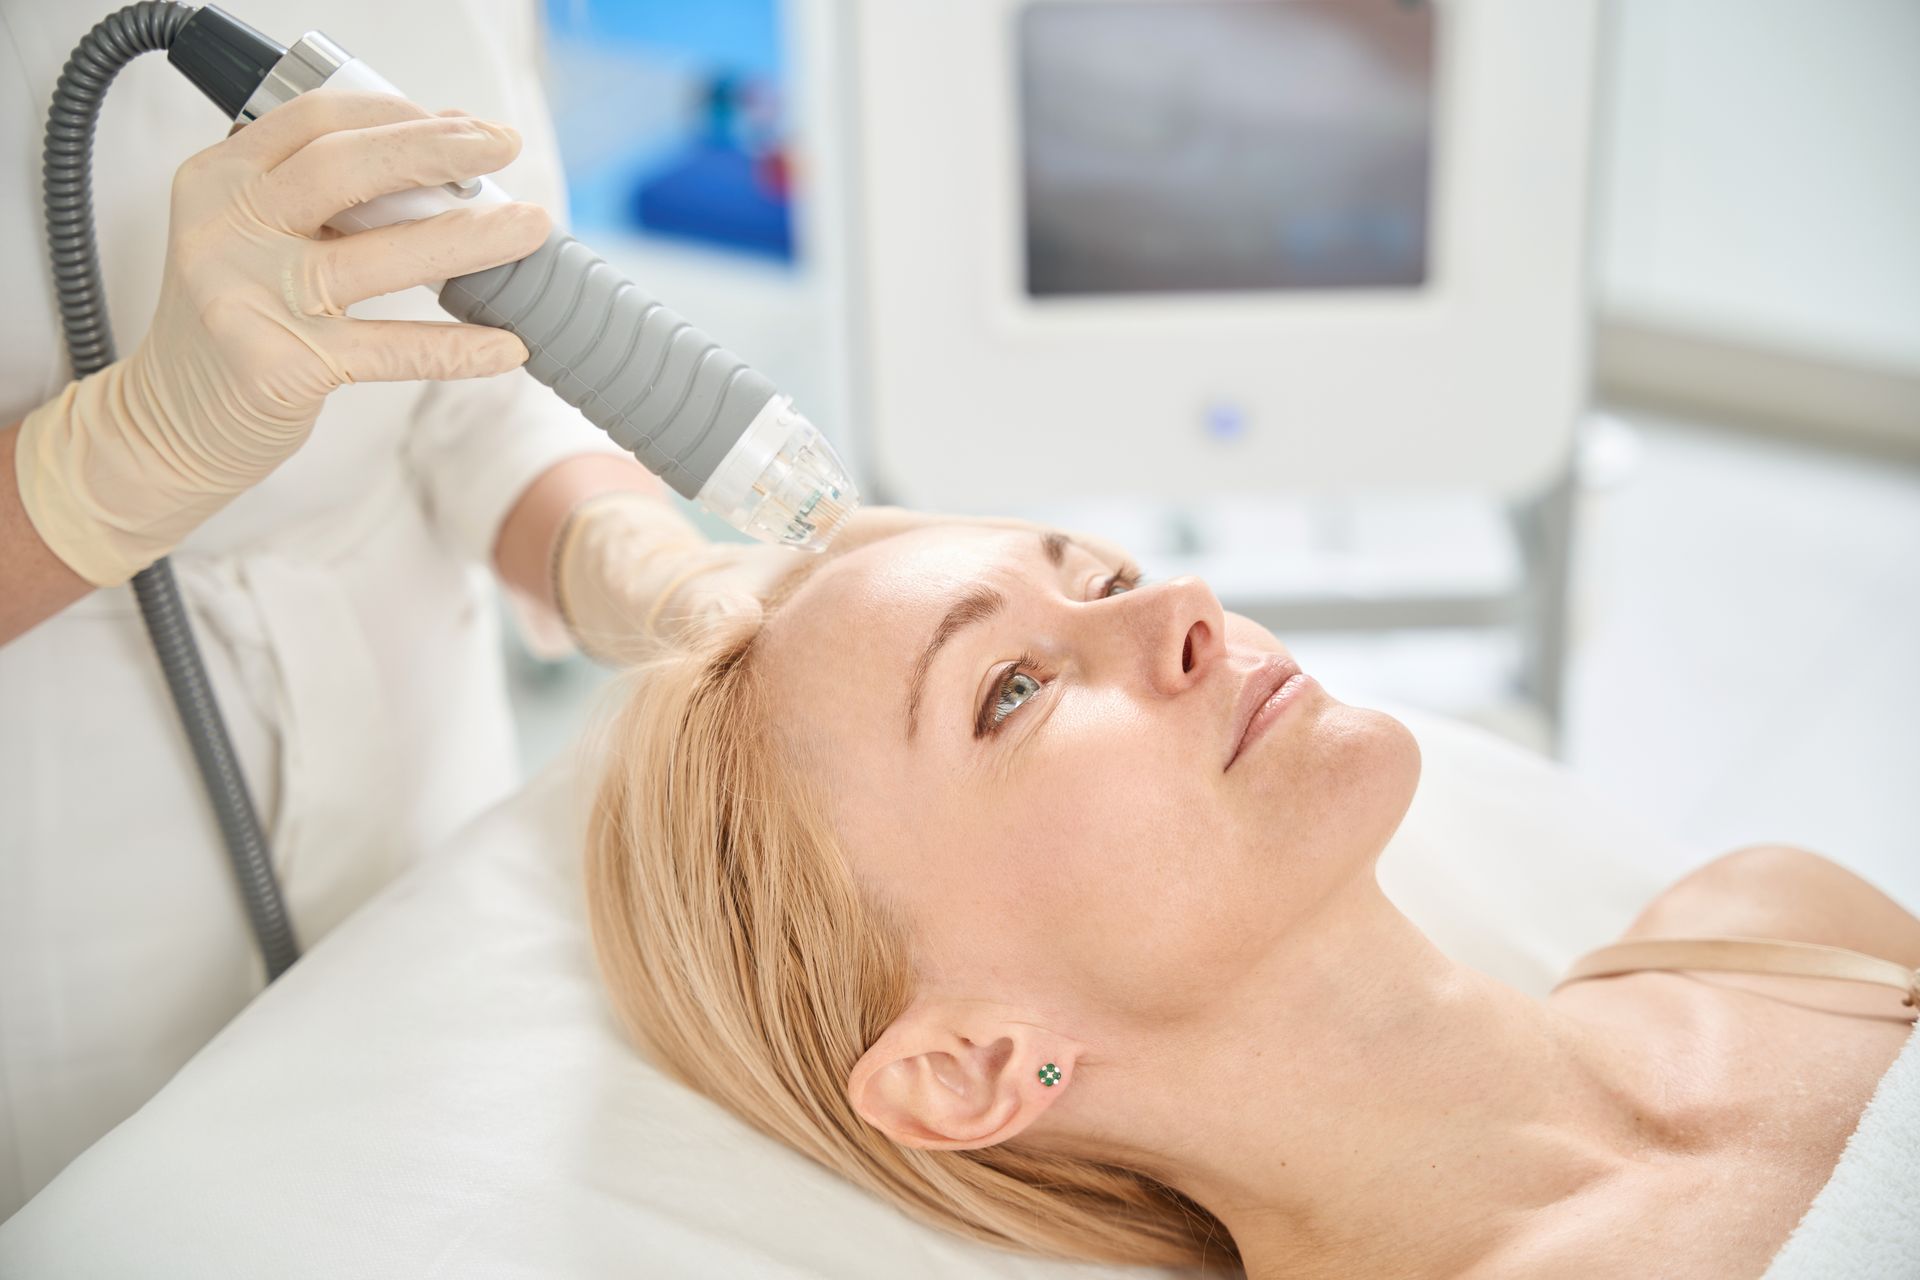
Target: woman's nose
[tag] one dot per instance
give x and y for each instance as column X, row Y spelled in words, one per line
column 1189, row 636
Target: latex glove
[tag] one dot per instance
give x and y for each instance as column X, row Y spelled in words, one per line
column 633, row 577
column 250, row 333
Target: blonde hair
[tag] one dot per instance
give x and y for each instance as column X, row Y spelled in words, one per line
column 740, row 953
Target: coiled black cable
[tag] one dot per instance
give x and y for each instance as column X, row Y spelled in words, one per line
column 116, row 40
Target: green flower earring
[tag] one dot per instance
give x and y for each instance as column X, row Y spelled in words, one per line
column 1049, row 1075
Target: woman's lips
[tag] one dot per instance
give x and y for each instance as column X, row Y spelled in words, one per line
column 1265, row 697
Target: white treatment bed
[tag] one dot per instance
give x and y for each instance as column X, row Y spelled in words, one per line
column 438, row 1089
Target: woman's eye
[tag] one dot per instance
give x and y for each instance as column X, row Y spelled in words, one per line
column 1014, row 690
column 1006, row 697
column 1020, row 684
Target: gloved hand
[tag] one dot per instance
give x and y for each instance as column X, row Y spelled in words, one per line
column 250, row 333
column 633, row 577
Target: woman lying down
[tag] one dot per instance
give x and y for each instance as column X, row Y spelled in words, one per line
column 1039, row 901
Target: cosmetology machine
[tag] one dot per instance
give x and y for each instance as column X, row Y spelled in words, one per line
column 691, row 411
column 1291, row 294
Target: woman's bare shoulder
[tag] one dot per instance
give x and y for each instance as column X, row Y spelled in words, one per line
column 1782, row 891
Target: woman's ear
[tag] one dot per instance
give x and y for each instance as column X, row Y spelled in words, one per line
column 952, row 1075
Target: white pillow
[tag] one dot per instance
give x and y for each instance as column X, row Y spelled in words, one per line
column 439, row 1089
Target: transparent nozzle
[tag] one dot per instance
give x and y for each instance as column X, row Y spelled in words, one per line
column 782, row 482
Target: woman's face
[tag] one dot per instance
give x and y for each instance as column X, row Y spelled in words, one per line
column 1031, row 763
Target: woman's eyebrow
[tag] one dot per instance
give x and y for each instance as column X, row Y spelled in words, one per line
column 976, row 605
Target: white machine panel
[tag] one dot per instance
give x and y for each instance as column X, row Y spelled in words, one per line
column 1293, row 247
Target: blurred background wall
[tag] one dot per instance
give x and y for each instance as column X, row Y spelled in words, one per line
column 1759, row 217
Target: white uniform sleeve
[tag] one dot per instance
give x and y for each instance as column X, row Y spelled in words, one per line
column 476, row 445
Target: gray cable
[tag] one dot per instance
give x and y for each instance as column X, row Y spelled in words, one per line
column 115, row 41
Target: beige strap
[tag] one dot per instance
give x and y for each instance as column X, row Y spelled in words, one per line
column 1745, row 955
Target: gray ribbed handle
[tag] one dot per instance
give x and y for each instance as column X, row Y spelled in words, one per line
column 659, row 386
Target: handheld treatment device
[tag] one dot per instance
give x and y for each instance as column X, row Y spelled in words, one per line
column 692, row 412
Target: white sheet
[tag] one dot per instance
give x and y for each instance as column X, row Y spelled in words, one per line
column 1865, row 1223
column 438, row 1089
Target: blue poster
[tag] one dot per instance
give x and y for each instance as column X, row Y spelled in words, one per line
column 673, row 119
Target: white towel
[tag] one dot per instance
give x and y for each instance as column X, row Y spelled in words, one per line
column 1865, row 1223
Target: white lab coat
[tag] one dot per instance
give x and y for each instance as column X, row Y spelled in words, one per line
column 343, row 607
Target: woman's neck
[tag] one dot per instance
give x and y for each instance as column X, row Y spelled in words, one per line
column 1365, row 1099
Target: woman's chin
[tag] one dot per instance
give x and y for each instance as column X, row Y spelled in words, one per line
column 1351, row 775
column 1398, row 771
column 1389, row 755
